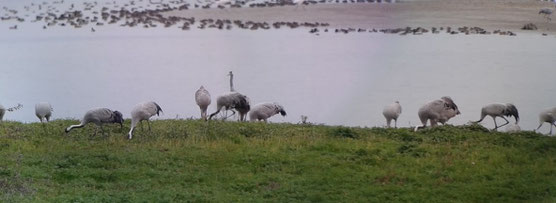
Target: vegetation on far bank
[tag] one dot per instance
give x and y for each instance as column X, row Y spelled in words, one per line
column 191, row 160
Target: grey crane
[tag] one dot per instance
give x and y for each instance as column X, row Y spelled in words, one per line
column 232, row 100
column 263, row 111
column 392, row 112
column 499, row 110
column 546, row 12
column 143, row 111
column 99, row 116
column 43, row 111
column 437, row 111
column 202, row 97
column 548, row 116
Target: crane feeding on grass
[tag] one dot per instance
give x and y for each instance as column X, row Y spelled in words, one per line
column 43, row 111
column 263, row 111
column 392, row 112
column 143, row 111
column 437, row 111
column 548, row 116
column 99, row 116
column 202, row 97
column 499, row 110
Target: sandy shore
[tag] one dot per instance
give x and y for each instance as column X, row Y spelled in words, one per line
column 488, row 14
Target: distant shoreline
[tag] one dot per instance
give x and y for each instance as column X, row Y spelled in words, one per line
column 491, row 15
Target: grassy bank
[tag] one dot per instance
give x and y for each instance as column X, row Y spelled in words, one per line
column 229, row 161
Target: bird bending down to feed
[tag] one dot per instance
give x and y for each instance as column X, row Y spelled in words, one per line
column 546, row 12
column 99, row 116
column 143, row 111
column 43, row 111
column 548, row 116
column 202, row 97
column 263, row 111
column 440, row 110
column 499, row 110
column 392, row 112
column 232, row 100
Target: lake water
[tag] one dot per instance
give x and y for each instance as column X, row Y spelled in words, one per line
column 334, row 79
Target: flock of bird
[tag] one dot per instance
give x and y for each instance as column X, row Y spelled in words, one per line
column 433, row 112
column 135, row 14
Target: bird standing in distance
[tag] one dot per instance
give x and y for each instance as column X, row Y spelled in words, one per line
column 263, row 111
column 392, row 112
column 143, row 111
column 437, row 111
column 499, row 110
column 99, row 116
column 547, row 116
column 202, row 97
column 43, row 111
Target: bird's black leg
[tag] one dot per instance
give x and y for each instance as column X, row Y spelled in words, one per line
column 505, row 123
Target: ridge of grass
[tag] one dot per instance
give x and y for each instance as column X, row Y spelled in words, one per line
column 192, row 160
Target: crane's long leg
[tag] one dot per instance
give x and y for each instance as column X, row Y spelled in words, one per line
column 553, row 124
column 541, row 125
column 388, row 121
column 141, row 122
column 504, row 123
column 495, row 125
column 149, row 123
column 396, row 123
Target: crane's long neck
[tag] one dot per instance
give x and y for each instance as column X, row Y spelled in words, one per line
column 232, row 82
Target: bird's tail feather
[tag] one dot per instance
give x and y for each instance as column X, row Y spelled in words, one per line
column 158, row 109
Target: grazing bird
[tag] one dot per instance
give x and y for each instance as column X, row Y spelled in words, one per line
column 232, row 100
column 499, row 110
column 392, row 112
column 263, row 111
column 202, row 97
column 440, row 110
column 548, row 116
column 298, row 2
column 546, row 12
column 43, row 110
column 143, row 111
column 99, row 116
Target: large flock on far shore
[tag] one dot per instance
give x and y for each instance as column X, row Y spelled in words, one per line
column 139, row 13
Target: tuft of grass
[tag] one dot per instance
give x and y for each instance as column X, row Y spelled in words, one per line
column 192, row 160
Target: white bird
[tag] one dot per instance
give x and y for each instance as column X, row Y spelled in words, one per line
column 263, row 111
column 99, row 116
column 440, row 110
column 143, row 111
column 202, row 97
column 392, row 112
column 548, row 116
column 43, row 110
column 499, row 110
column 232, row 100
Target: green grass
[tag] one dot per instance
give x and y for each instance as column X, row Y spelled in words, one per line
column 189, row 160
